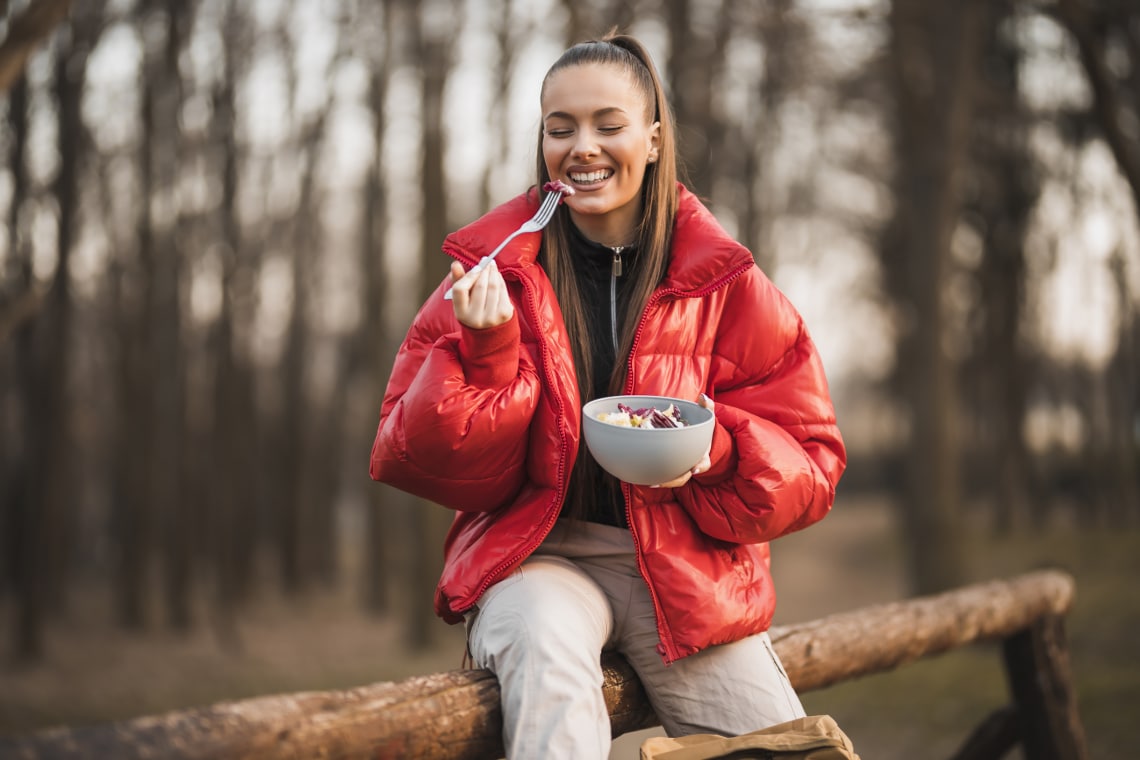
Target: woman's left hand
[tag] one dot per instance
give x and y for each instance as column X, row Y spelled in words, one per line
column 699, row 467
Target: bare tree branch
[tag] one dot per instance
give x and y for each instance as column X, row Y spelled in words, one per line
column 1106, row 96
column 27, row 30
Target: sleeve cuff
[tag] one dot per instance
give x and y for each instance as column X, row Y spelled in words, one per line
column 722, row 456
column 491, row 356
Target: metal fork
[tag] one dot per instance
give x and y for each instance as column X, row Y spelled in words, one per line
column 540, row 219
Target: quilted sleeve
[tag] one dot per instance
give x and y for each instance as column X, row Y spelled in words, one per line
column 777, row 450
column 454, row 419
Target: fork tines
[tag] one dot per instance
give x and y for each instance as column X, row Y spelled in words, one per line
column 540, row 219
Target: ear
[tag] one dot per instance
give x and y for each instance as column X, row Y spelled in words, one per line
column 654, row 142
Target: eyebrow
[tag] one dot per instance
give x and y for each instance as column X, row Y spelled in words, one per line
column 600, row 112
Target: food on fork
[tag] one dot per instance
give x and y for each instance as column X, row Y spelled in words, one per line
column 645, row 418
column 558, row 186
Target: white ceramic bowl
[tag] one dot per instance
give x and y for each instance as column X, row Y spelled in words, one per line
column 647, row 456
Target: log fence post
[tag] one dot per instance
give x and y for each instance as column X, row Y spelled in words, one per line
column 1037, row 668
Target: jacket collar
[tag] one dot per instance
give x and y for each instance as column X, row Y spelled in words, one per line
column 704, row 254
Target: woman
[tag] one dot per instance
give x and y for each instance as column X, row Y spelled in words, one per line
column 632, row 288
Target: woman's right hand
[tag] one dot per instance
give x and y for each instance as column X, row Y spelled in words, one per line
column 479, row 297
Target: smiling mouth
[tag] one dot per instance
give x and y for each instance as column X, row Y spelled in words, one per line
column 591, row 178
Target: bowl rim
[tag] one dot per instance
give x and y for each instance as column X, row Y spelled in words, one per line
column 652, row 399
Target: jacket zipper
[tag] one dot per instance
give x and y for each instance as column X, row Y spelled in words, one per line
column 615, row 273
column 560, row 492
column 667, row 648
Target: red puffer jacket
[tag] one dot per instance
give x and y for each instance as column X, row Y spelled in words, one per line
column 487, row 422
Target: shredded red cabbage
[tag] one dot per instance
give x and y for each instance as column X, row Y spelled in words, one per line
column 558, row 186
column 670, row 418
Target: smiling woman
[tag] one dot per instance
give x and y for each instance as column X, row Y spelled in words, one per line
column 632, row 289
column 600, row 149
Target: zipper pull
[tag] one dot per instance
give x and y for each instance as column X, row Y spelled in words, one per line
column 616, row 271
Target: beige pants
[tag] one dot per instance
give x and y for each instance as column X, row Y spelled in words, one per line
column 542, row 629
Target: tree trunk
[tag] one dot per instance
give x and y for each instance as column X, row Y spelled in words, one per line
column 19, row 531
column 619, row 16
column 693, row 68
column 507, row 42
column 134, row 448
column 933, row 52
column 377, row 339
column 44, row 348
column 1116, row 104
column 26, row 31
column 1005, row 192
column 234, row 432
column 1121, row 377
column 1102, row 30
column 579, row 22
column 434, row 46
column 300, row 447
column 762, row 201
column 56, row 468
column 168, row 428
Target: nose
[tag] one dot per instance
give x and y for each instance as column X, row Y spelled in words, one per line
column 584, row 144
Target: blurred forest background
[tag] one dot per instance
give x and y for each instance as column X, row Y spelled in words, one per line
column 219, row 217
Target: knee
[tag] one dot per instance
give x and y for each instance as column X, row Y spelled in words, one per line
column 544, row 631
column 544, row 624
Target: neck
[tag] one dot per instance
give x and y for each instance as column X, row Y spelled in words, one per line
column 608, row 229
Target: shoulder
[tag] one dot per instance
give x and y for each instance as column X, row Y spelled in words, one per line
column 704, row 255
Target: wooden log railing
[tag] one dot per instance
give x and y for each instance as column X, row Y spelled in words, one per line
column 456, row 714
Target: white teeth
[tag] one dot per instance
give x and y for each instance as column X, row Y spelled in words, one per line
column 588, row 177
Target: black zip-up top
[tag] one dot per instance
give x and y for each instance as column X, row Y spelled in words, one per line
column 604, row 278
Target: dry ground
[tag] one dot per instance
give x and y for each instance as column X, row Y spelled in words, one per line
column 95, row 672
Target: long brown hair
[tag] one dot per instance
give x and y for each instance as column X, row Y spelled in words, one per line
column 654, row 231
